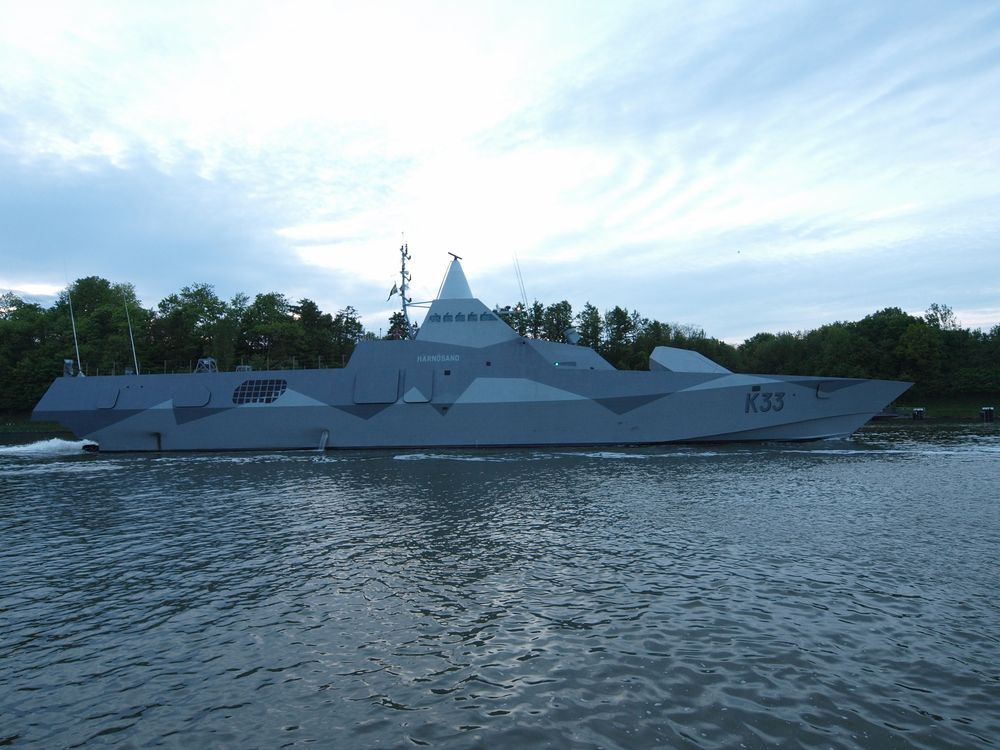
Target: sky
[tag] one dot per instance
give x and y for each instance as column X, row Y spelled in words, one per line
column 735, row 166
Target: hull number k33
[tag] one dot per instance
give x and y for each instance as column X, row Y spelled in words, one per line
column 763, row 402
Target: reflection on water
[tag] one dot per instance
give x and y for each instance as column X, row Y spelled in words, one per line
column 833, row 594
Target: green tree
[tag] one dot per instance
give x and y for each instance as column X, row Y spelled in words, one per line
column 717, row 351
column 837, row 349
column 589, row 325
column 536, row 320
column 516, row 317
column 941, row 316
column 347, row 332
column 919, row 353
column 397, row 326
column 315, row 338
column 187, row 327
column 102, row 325
column 883, row 330
column 649, row 335
column 28, row 357
column 271, row 336
column 774, row 354
column 555, row 320
column 227, row 332
column 619, row 330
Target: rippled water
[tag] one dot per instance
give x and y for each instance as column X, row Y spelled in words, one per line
column 834, row 594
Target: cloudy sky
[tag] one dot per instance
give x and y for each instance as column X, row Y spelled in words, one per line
column 740, row 166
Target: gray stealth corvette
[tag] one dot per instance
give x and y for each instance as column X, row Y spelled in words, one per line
column 465, row 379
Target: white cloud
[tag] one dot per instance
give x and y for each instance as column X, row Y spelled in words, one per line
column 587, row 138
column 29, row 289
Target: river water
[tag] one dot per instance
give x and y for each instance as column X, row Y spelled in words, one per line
column 836, row 594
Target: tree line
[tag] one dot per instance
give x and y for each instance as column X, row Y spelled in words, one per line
column 933, row 350
column 269, row 332
column 272, row 332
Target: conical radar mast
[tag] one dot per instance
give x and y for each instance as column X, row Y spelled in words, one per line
column 455, row 285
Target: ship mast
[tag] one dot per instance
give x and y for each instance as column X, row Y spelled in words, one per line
column 404, row 275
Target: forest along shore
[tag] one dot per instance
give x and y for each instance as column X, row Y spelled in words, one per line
column 947, row 362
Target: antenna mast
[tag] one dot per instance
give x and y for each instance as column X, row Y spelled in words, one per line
column 520, row 281
column 72, row 320
column 128, row 318
column 404, row 275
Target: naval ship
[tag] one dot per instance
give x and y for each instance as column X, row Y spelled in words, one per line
column 462, row 379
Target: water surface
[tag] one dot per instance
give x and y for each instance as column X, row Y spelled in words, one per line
column 831, row 594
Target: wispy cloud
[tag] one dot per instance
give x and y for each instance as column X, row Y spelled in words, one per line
column 646, row 151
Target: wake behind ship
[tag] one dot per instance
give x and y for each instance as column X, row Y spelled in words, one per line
column 465, row 379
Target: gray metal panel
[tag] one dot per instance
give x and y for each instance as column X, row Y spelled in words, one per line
column 683, row 360
column 376, row 386
column 418, row 386
column 107, row 398
column 191, row 395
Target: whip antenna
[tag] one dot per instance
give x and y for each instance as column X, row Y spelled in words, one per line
column 72, row 321
column 131, row 339
column 520, row 281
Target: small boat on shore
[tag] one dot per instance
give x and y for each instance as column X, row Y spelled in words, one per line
column 464, row 378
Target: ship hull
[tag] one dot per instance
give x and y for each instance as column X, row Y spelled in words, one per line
column 408, row 395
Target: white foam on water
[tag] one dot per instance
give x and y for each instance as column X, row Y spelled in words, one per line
column 57, row 467
column 832, row 451
column 607, row 454
column 226, row 458
column 492, row 458
column 654, row 453
column 45, row 448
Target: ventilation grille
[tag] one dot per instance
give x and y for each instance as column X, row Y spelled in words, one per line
column 259, row 391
